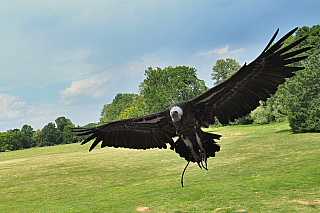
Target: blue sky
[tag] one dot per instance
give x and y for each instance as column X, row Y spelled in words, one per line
column 69, row 58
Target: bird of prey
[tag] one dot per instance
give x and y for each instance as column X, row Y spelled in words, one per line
column 235, row 97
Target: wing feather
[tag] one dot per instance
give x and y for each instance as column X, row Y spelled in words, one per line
column 241, row 93
column 145, row 132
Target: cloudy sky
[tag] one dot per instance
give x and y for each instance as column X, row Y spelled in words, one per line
column 69, row 58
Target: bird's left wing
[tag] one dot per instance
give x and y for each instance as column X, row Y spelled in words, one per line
column 145, row 132
column 241, row 93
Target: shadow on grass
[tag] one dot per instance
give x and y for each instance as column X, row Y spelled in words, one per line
column 284, row 131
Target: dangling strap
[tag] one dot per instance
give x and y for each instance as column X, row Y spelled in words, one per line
column 183, row 173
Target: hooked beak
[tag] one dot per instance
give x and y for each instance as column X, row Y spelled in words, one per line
column 175, row 116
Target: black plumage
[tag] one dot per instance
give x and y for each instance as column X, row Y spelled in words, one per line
column 231, row 99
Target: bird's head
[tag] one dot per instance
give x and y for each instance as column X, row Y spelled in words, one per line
column 176, row 113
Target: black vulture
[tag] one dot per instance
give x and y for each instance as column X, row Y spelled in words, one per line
column 235, row 97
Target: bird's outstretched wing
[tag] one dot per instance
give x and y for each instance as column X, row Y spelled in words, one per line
column 145, row 132
column 241, row 93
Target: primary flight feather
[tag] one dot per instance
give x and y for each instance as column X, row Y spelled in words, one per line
column 231, row 99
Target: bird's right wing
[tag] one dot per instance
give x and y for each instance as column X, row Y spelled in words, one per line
column 241, row 93
column 145, row 132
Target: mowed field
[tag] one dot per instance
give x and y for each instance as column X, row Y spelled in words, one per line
column 259, row 169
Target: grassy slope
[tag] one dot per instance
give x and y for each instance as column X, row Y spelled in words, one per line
column 259, row 169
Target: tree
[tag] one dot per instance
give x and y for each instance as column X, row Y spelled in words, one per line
column 6, row 142
column 17, row 139
column 300, row 95
column 121, row 102
column 20, row 139
column 50, row 135
column 223, row 69
column 27, row 132
column 90, row 125
column 137, row 109
column 62, row 122
column 67, row 135
column 36, row 139
column 163, row 87
column 64, row 125
column 263, row 114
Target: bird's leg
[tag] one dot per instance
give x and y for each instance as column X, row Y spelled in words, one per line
column 205, row 161
column 188, row 143
column 202, row 152
column 203, row 164
column 200, row 165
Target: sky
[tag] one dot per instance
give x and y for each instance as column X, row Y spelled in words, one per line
column 69, row 58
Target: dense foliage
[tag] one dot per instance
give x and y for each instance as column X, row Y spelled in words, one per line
column 223, row 69
column 163, row 87
column 124, row 105
column 51, row 134
column 300, row 96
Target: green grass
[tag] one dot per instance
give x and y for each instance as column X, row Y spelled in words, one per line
column 259, row 169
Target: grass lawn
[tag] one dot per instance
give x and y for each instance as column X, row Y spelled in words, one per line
column 259, row 169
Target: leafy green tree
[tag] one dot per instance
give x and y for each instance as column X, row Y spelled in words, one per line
column 137, row 109
column 64, row 126
column 36, row 139
column 163, row 87
column 21, row 139
column 17, row 139
column 300, row 95
column 121, row 102
column 62, row 122
column 6, row 142
column 223, row 69
column 262, row 114
column 50, row 135
column 67, row 135
column 275, row 109
column 90, row 125
column 27, row 132
column 244, row 120
column 129, row 113
column 2, row 142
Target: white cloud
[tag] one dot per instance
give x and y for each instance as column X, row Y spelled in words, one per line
column 220, row 51
column 94, row 87
column 10, row 106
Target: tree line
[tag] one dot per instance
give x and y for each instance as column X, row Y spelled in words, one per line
column 51, row 134
column 297, row 100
